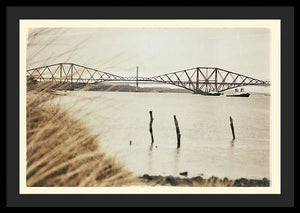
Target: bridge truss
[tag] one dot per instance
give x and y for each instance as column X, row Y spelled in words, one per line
column 204, row 79
column 208, row 79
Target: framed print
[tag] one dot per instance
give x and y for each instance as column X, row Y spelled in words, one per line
column 125, row 108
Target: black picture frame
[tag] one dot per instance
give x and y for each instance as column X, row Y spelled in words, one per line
column 10, row 149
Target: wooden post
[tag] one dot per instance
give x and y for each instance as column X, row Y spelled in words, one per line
column 232, row 128
column 177, row 132
column 150, row 127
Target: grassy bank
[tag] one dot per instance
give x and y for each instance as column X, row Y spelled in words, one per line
column 62, row 152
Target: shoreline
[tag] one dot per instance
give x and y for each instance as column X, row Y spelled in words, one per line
column 198, row 181
column 106, row 87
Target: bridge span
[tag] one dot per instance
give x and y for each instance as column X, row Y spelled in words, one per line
column 203, row 79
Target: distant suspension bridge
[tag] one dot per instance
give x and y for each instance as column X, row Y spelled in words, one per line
column 199, row 79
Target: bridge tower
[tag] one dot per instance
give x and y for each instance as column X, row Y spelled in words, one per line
column 137, row 79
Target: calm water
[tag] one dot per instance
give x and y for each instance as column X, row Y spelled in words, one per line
column 206, row 139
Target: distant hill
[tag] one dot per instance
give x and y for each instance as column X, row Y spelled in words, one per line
column 128, row 88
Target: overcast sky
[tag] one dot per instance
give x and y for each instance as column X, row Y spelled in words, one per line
column 155, row 50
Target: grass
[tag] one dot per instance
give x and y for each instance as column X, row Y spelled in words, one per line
column 61, row 151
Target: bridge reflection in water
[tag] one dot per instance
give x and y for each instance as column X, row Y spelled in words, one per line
column 199, row 79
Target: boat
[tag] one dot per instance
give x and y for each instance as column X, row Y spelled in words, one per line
column 212, row 94
column 239, row 94
column 208, row 93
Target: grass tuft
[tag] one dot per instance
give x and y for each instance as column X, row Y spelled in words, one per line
column 61, row 151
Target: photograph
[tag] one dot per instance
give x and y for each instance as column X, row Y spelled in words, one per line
column 149, row 105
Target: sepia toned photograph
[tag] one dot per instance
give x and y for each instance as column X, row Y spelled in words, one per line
column 149, row 105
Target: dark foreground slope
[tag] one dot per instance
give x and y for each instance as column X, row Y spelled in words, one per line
column 199, row 181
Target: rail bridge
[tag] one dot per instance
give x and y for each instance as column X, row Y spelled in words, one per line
column 199, row 79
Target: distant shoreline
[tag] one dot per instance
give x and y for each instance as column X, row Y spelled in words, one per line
column 170, row 91
column 106, row 87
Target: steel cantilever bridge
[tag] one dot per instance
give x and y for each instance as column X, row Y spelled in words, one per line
column 203, row 79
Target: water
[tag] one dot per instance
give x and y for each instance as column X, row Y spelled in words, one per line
column 206, row 140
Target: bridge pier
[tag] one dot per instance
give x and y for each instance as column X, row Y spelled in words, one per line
column 60, row 73
column 197, row 79
column 137, row 79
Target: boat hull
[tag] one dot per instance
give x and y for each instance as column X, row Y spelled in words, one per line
column 212, row 94
column 207, row 93
column 239, row 95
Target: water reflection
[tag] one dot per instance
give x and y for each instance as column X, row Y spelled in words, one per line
column 232, row 143
column 150, row 158
column 151, row 147
column 176, row 160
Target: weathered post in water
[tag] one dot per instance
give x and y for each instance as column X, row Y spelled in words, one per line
column 232, row 128
column 150, row 127
column 177, row 132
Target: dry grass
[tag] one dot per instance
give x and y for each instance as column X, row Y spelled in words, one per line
column 62, row 152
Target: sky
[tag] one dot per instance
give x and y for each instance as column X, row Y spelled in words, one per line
column 155, row 50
